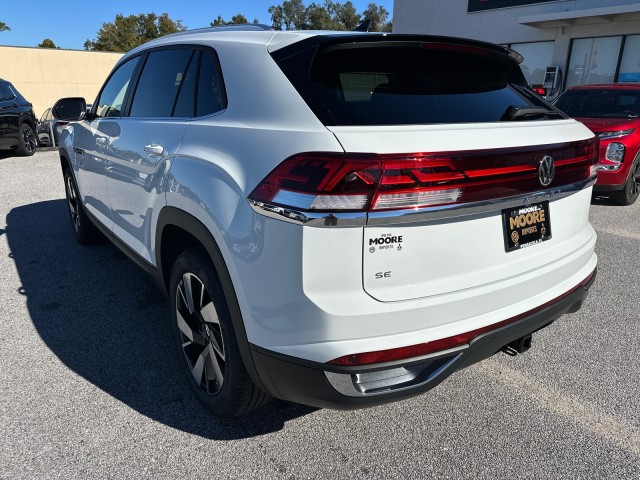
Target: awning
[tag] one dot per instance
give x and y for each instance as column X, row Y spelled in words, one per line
column 589, row 16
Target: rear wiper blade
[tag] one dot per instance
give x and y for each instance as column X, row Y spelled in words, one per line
column 517, row 113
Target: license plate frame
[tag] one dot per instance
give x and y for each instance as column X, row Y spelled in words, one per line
column 526, row 225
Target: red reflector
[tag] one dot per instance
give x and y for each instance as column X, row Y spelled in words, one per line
column 427, row 348
column 540, row 91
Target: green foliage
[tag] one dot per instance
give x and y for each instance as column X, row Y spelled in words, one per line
column 47, row 43
column 4, row 27
column 330, row 15
column 235, row 20
column 129, row 32
column 378, row 16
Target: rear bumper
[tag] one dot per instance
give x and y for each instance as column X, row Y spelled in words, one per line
column 327, row 386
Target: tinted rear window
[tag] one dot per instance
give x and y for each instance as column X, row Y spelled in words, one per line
column 600, row 103
column 400, row 83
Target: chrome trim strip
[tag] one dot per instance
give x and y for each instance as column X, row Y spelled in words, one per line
column 444, row 212
column 310, row 219
column 427, row 214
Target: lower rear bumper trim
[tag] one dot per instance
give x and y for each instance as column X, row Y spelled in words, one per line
column 341, row 387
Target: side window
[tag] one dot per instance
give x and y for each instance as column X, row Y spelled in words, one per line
column 46, row 115
column 185, row 104
column 211, row 94
column 112, row 96
column 6, row 93
column 162, row 75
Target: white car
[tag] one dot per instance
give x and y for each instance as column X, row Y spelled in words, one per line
column 339, row 219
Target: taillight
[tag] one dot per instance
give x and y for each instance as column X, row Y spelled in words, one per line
column 321, row 182
column 416, row 181
column 331, row 182
column 334, row 182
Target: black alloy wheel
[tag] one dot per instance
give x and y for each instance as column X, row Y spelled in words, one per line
column 28, row 141
column 629, row 193
column 85, row 232
column 201, row 334
column 205, row 338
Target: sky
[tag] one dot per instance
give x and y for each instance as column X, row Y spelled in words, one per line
column 71, row 22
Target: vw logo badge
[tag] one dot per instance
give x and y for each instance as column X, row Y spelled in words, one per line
column 546, row 170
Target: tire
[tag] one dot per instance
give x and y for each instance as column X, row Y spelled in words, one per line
column 629, row 193
column 28, row 141
column 85, row 231
column 205, row 339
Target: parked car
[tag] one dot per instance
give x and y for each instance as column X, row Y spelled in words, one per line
column 47, row 126
column 339, row 219
column 17, row 121
column 612, row 112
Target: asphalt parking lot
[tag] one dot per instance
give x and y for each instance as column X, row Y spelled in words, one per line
column 89, row 387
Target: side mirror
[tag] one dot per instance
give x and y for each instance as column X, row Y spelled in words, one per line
column 70, row 109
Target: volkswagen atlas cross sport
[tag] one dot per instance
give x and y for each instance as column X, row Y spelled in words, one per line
column 612, row 112
column 339, row 219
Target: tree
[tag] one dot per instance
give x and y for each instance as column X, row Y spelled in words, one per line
column 47, row 43
column 4, row 27
column 291, row 15
column 126, row 33
column 320, row 18
column 331, row 15
column 347, row 16
column 378, row 16
column 235, row 20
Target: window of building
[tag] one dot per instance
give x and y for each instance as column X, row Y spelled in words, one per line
column 593, row 60
column 630, row 64
column 537, row 57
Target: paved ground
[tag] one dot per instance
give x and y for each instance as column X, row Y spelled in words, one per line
column 88, row 389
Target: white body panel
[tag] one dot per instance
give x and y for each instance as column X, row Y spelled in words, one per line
column 461, row 137
column 311, row 292
column 305, row 296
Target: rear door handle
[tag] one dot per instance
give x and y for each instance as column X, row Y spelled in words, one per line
column 101, row 141
column 154, row 149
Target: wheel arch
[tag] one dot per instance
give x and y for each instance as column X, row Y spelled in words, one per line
column 25, row 118
column 64, row 161
column 178, row 230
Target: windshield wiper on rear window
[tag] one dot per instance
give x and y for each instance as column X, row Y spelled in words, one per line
column 525, row 113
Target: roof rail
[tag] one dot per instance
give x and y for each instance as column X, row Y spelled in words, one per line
column 232, row 27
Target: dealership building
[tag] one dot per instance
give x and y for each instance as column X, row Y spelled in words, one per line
column 563, row 42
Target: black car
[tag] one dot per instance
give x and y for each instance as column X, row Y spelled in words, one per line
column 17, row 121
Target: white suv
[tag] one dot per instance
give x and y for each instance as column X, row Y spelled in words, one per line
column 339, row 219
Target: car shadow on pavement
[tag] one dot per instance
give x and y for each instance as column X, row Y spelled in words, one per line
column 105, row 319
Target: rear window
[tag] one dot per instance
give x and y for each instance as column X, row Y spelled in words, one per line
column 600, row 103
column 400, row 83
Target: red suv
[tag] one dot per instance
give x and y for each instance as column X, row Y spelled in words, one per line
column 612, row 112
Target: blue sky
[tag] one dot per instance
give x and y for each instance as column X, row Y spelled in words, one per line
column 70, row 22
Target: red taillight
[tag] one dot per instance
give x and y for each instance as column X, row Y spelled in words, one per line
column 327, row 182
column 393, row 354
column 540, row 91
column 333, row 182
column 316, row 181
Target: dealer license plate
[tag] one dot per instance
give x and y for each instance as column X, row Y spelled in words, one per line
column 526, row 226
